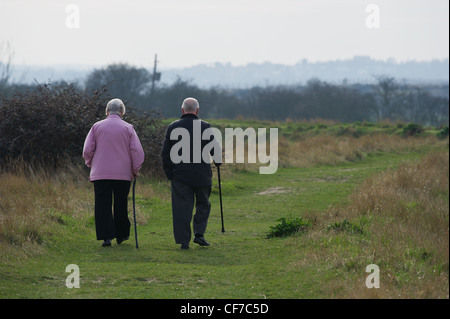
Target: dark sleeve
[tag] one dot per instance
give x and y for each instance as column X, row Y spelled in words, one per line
column 165, row 154
column 216, row 146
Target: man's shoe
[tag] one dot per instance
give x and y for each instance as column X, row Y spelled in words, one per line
column 106, row 243
column 120, row 240
column 201, row 241
column 184, row 246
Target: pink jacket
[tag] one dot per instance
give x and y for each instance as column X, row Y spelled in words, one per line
column 112, row 150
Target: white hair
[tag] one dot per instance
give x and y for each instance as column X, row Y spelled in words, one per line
column 190, row 105
column 115, row 106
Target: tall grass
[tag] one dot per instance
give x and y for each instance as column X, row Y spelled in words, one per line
column 405, row 216
column 325, row 149
column 37, row 202
column 33, row 202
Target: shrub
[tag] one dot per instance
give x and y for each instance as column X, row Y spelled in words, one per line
column 288, row 227
column 346, row 226
column 443, row 133
column 151, row 132
column 43, row 124
column 49, row 123
column 412, row 129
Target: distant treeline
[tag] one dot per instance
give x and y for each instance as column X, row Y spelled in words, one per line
column 387, row 99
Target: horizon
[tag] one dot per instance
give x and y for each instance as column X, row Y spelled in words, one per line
column 230, row 64
column 358, row 70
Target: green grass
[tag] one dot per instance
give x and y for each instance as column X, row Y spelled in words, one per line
column 325, row 262
column 240, row 263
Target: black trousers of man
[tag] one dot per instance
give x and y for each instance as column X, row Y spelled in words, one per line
column 183, row 197
column 111, row 224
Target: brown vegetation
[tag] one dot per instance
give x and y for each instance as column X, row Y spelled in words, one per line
column 404, row 214
column 331, row 150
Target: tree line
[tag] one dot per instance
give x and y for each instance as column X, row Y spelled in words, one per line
column 386, row 99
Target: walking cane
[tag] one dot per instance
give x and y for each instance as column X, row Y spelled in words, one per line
column 220, row 195
column 134, row 212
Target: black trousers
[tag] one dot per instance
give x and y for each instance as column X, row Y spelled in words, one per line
column 111, row 224
column 183, row 197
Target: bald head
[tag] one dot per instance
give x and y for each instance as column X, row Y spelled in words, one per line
column 190, row 105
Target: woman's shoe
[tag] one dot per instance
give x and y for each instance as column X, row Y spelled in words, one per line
column 106, row 243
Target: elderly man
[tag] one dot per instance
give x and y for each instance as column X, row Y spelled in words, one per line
column 191, row 179
column 114, row 153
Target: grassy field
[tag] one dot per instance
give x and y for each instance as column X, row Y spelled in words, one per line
column 371, row 196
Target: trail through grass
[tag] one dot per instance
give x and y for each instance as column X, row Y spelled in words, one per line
column 240, row 263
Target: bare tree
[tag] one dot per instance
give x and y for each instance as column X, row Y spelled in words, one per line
column 387, row 97
column 6, row 57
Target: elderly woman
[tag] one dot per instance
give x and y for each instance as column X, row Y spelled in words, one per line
column 114, row 153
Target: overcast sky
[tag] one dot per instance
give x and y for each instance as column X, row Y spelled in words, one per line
column 189, row 32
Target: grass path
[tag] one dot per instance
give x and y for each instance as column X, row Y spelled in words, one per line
column 240, row 263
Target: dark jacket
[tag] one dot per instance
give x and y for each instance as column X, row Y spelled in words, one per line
column 191, row 174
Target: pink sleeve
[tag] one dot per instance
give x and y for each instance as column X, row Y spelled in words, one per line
column 137, row 153
column 89, row 147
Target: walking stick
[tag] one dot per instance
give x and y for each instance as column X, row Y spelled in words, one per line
column 134, row 212
column 220, row 195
